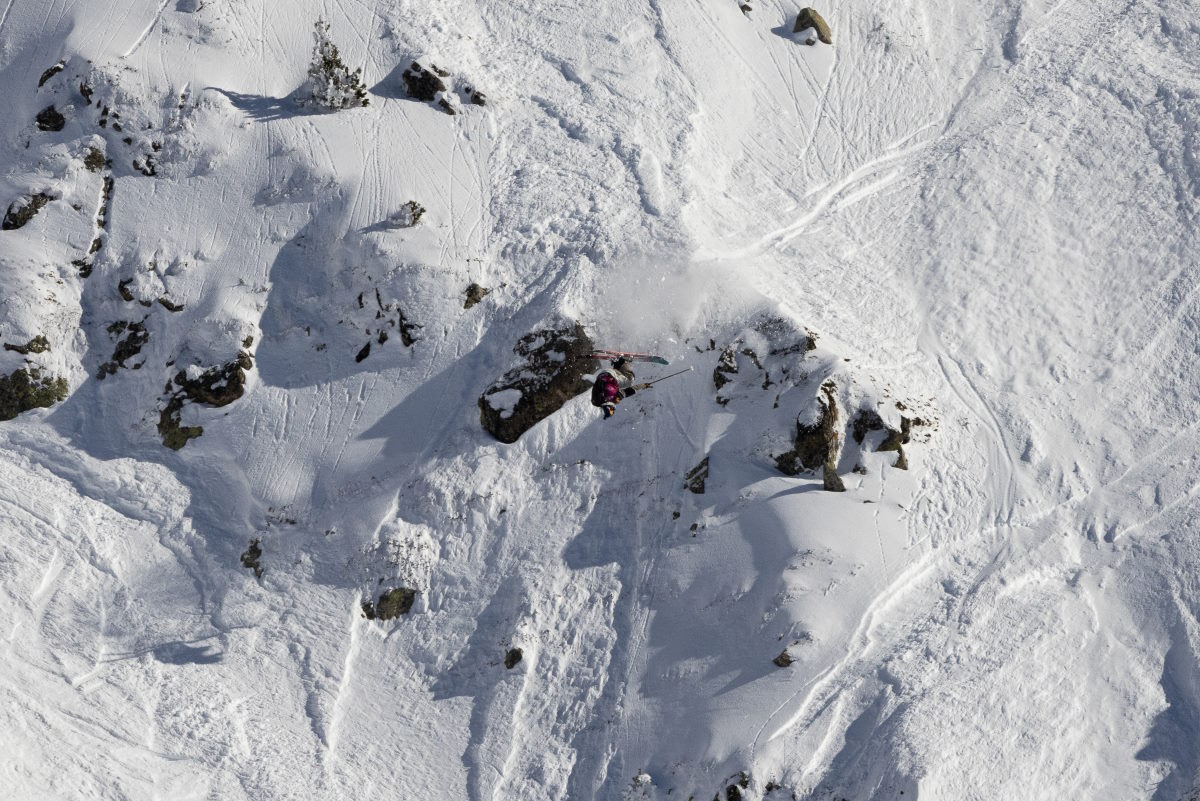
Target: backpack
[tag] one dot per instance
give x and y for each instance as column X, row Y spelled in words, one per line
column 605, row 389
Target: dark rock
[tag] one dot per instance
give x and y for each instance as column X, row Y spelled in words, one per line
column 392, row 604
column 169, row 306
column 475, row 293
column 726, row 366
column 475, row 96
column 422, row 84
column 866, row 420
column 51, row 72
column 94, row 160
column 38, row 344
column 27, row 388
column 409, row 215
column 136, row 336
column 251, row 557
column 18, row 215
column 174, row 435
column 49, row 119
column 809, row 18
column 512, row 658
column 817, row 444
column 696, row 477
column 445, row 106
column 364, row 353
column 552, row 361
column 407, row 329
column 869, row 420
column 784, row 659
column 216, row 387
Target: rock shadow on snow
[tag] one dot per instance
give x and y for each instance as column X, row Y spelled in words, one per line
column 329, row 296
column 1176, row 729
column 392, row 86
column 182, row 653
column 479, row 672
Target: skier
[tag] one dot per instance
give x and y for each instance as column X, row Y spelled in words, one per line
column 613, row 384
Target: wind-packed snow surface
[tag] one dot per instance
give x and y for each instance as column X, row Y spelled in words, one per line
column 985, row 213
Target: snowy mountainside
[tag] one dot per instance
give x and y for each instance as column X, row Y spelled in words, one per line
column 257, row 426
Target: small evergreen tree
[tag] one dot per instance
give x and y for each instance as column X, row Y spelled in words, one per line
column 330, row 82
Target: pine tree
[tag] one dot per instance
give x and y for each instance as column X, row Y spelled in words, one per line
column 331, row 84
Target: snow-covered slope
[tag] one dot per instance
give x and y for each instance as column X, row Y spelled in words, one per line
column 980, row 218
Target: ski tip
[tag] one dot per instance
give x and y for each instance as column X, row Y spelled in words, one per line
column 659, row 360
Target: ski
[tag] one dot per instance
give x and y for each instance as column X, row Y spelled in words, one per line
column 601, row 353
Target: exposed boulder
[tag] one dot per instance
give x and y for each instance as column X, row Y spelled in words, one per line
column 94, row 160
column 474, row 96
column 20, row 213
column 252, row 556
column 513, row 658
column 392, row 604
column 726, row 366
column 407, row 216
column 38, row 344
column 51, row 72
column 895, row 440
column 696, row 477
column 132, row 336
column 809, row 18
column 49, row 119
column 27, row 388
column 475, row 293
column 818, row 443
column 216, row 387
column 424, row 84
column 552, row 361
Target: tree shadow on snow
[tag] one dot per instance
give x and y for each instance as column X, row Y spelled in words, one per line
column 264, row 108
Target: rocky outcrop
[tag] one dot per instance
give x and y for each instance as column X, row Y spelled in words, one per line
column 424, row 84
column 49, row 119
column 549, row 373
column 216, row 387
column 132, row 336
column 28, row 388
column 817, row 443
column 809, row 18
column 696, row 477
column 895, row 440
column 252, row 556
column 475, row 293
column 19, row 214
column 727, row 366
column 38, row 344
column 392, row 604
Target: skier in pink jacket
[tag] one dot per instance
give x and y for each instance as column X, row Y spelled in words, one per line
column 613, row 384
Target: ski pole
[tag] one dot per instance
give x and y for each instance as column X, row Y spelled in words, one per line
column 665, row 377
